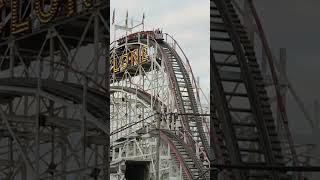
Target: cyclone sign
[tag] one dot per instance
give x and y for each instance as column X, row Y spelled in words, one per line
column 130, row 59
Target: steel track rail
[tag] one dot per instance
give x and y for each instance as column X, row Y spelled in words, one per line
column 184, row 96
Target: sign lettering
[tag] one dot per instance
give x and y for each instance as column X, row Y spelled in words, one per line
column 133, row 58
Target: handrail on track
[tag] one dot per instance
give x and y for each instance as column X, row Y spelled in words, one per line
column 275, row 79
column 179, row 157
column 189, row 135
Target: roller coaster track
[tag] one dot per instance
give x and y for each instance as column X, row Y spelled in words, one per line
column 185, row 99
column 29, row 112
column 58, row 91
column 140, row 94
column 192, row 166
column 251, row 138
column 181, row 86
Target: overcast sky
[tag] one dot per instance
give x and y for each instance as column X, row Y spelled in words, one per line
column 187, row 20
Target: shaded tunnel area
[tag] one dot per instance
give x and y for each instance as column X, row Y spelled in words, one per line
column 137, row 170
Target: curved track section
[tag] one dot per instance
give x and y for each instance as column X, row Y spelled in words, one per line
column 58, row 91
column 191, row 165
column 244, row 128
column 140, row 93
